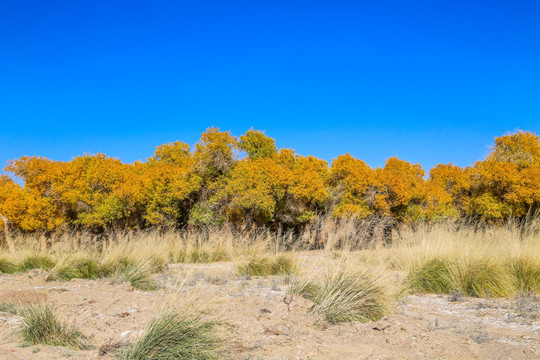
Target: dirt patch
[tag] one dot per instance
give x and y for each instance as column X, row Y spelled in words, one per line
column 260, row 321
column 21, row 297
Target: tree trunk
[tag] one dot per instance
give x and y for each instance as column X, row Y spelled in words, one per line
column 6, row 233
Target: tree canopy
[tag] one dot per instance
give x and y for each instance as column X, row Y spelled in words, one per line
column 248, row 181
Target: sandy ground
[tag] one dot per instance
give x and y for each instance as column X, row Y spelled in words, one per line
column 260, row 322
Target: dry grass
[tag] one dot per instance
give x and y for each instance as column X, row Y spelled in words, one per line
column 498, row 262
column 437, row 258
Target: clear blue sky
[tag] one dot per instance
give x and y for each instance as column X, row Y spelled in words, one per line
column 428, row 81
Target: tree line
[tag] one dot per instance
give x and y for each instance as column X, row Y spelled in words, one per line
column 246, row 182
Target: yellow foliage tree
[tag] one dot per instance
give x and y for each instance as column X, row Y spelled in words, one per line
column 214, row 153
column 353, row 183
column 209, row 185
column 520, row 148
column 256, row 144
column 267, row 189
column 168, row 183
column 27, row 209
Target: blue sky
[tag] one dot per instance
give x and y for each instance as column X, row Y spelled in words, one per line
column 428, row 81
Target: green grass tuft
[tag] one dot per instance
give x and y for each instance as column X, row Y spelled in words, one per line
column 9, row 308
column 117, row 264
column 37, row 262
column 344, row 297
column 138, row 274
column 79, row 268
column 202, row 255
column 526, row 273
column 481, row 278
column 176, row 335
column 7, row 267
column 431, row 276
column 42, row 327
column 263, row 266
column 305, row 289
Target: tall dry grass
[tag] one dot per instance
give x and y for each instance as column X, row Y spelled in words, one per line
column 440, row 257
column 495, row 261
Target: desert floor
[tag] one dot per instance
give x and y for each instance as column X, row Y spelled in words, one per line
column 258, row 320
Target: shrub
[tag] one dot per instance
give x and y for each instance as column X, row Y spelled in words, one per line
column 42, row 327
column 431, row 276
column 176, row 335
column 36, row 262
column 7, row 267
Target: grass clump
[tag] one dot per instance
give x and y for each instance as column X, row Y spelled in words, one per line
column 176, row 334
column 79, row 268
column 42, row 327
column 431, row 276
column 199, row 255
column 9, row 308
column 305, row 289
column 7, row 267
column 482, row 277
column 37, row 262
column 343, row 296
column 138, row 274
column 263, row 266
column 526, row 273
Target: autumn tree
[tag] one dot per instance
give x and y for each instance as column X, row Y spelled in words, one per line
column 256, row 144
column 214, row 153
column 214, row 157
column 176, row 153
column 306, row 185
column 169, row 184
column 271, row 188
column 285, row 190
column 505, row 183
column 520, row 148
column 254, row 190
column 354, row 187
column 453, row 182
column 27, row 209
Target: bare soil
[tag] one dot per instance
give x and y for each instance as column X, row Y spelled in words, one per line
column 259, row 321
